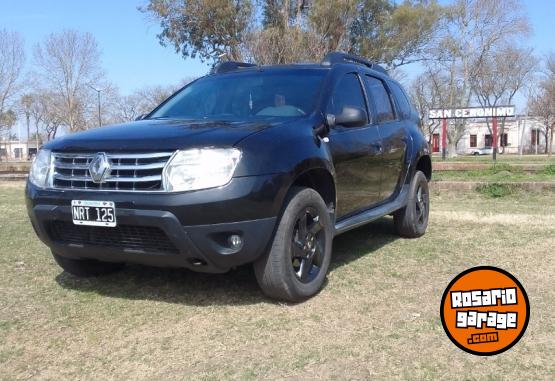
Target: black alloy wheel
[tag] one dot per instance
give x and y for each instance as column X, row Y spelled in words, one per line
column 307, row 245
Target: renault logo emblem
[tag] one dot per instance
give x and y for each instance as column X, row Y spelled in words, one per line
column 99, row 168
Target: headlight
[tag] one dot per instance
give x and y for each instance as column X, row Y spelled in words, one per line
column 40, row 169
column 200, row 168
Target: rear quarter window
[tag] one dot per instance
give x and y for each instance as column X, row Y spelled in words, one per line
column 403, row 104
column 381, row 99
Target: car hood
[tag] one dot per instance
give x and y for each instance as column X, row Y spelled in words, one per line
column 158, row 135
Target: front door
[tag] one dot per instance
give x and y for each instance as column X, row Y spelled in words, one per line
column 435, row 143
column 355, row 152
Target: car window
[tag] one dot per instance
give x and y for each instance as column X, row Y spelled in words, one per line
column 380, row 97
column 348, row 92
column 401, row 98
column 253, row 94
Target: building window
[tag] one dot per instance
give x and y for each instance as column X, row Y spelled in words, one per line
column 473, row 141
column 534, row 137
column 488, row 140
column 504, row 140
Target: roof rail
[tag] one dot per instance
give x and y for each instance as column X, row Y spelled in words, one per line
column 340, row 57
column 227, row 66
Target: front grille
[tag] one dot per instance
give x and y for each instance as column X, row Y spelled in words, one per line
column 128, row 172
column 140, row 238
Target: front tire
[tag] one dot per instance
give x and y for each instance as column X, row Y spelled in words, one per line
column 412, row 220
column 84, row 268
column 295, row 267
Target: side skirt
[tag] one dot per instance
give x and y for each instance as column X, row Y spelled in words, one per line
column 370, row 215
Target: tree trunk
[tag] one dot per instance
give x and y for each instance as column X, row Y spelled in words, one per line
column 551, row 140
column 27, row 117
column 28, row 128
column 37, row 136
column 452, row 149
column 286, row 14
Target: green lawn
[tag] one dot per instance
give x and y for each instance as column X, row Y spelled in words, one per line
column 500, row 172
column 377, row 318
column 504, row 158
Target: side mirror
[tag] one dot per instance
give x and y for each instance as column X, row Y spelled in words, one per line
column 351, row 116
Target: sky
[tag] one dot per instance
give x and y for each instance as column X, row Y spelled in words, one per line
column 131, row 54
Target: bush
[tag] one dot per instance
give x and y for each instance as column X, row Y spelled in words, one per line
column 548, row 170
column 496, row 172
column 496, row 190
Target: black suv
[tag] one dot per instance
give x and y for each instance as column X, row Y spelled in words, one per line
column 249, row 164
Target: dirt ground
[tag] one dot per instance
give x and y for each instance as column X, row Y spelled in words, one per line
column 377, row 317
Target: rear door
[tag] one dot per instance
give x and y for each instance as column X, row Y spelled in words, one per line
column 355, row 151
column 393, row 134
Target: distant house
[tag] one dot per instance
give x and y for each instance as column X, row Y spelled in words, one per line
column 15, row 150
column 520, row 134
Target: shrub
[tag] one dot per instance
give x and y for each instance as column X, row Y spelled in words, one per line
column 548, row 170
column 496, row 190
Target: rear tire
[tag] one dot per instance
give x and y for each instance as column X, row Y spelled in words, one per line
column 295, row 267
column 412, row 220
column 84, row 268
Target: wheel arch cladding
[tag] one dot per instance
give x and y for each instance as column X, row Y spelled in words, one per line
column 321, row 180
column 424, row 164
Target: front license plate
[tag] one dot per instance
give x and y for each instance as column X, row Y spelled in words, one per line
column 94, row 213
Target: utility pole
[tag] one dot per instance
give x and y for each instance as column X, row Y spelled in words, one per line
column 98, row 97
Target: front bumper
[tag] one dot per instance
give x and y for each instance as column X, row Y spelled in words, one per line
column 196, row 224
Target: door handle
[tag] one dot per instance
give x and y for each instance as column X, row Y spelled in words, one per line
column 377, row 147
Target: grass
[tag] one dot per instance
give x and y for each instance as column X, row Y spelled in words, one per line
column 377, row 317
column 512, row 158
column 500, row 172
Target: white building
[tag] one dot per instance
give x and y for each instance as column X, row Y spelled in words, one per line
column 520, row 135
column 15, row 150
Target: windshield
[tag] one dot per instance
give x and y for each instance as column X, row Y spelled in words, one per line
column 253, row 94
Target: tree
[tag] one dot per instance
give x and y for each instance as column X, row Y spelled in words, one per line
column 542, row 104
column 204, row 28
column 395, row 34
column 333, row 22
column 7, row 120
column 46, row 115
column 12, row 59
column 471, row 32
column 68, row 61
column 41, row 108
column 284, row 31
column 26, row 104
column 127, row 108
column 425, row 95
column 495, row 82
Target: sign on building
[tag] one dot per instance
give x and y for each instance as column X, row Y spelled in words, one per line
column 472, row 112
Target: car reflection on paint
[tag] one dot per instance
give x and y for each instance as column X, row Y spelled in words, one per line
column 481, row 151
